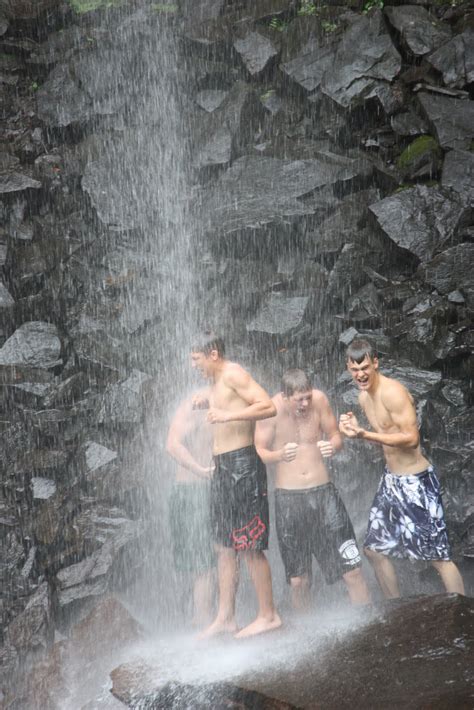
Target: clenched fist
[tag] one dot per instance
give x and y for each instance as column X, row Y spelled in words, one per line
column 289, row 451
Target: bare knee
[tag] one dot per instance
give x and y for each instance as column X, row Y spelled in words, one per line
column 354, row 577
column 299, row 582
column 375, row 558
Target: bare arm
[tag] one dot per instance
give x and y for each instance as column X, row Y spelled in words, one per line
column 403, row 415
column 260, row 406
column 181, row 425
column 264, row 436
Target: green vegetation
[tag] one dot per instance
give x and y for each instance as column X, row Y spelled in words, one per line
column 34, row 86
column 83, row 6
column 420, row 146
column 328, row 26
column 267, row 95
column 307, row 8
column 169, row 8
column 370, row 4
column 278, row 24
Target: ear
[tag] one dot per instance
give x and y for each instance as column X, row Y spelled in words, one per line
column 214, row 355
column 376, row 363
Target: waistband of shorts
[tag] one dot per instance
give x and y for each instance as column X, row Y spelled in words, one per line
column 303, row 491
column 235, row 453
column 408, row 476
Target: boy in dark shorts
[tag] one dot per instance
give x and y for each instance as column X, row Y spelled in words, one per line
column 311, row 518
column 406, row 519
column 189, row 442
column 239, row 504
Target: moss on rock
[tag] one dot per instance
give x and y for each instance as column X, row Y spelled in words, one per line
column 421, row 146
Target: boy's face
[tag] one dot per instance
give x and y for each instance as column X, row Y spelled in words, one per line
column 299, row 403
column 203, row 363
column 363, row 373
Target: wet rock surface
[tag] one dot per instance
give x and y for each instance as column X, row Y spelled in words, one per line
column 386, row 665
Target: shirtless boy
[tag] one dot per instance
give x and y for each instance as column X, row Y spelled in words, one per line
column 239, row 502
column 189, row 442
column 310, row 515
column 406, row 519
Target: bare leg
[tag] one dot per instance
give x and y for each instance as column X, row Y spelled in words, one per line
column 357, row 587
column 450, row 575
column 385, row 573
column 227, row 570
column 299, row 587
column 203, row 597
column 267, row 617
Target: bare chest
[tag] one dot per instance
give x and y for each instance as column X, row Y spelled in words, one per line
column 299, row 430
column 378, row 415
column 223, row 397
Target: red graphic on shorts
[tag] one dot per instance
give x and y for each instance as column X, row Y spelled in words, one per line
column 246, row 538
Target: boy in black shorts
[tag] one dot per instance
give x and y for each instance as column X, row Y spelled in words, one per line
column 311, row 518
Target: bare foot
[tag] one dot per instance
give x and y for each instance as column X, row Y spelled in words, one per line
column 218, row 627
column 260, row 626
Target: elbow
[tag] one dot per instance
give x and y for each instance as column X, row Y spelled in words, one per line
column 271, row 409
column 170, row 447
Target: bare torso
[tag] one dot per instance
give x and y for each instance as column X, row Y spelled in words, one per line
column 399, row 461
column 308, row 468
column 198, row 441
column 229, row 436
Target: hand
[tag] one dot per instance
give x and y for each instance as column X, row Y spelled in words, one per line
column 326, row 449
column 206, row 472
column 289, row 451
column 349, row 426
column 217, row 416
column 199, row 401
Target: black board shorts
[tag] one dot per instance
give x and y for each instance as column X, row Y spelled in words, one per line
column 314, row 521
column 239, row 500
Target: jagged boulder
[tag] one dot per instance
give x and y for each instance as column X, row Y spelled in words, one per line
column 419, row 29
column 455, row 59
column 452, row 119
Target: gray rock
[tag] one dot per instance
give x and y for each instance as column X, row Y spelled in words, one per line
column 217, row 151
column 6, row 300
column 420, row 30
column 452, row 269
column 456, row 297
column 310, row 65
column 92, row 576
column 452, row 118
column 458, row 173
column 210, row 99
column 14, row 181
column 58, row 47
column 279, row 314
column 256, row 191
column 43, row 488
column 409, row 123
column 420, row 219
column 34, row 344
column 348, row 336
column 32, row 628
column 104, row 77
column 455, row 59
column 27, row 9
column 256, row 51
column 365, row 57
column 123, row 402
column 98, row 456
column 365, row 305
column 61, row 101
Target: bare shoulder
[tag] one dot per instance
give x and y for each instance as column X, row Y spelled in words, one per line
column 320, row 400
column 394, row 394
column 235, row 374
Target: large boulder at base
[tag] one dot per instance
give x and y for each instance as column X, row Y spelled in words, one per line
column 412, row 653
column 408, row 219
column 455, row 59
column 458, row 173
column 365, row 57
column 452, row 118
column 421, row 31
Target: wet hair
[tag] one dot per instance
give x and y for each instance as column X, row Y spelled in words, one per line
column 295, row 381
column 206, row 342
column 359, row 349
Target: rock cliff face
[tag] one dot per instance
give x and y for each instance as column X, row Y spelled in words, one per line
column 291, row 173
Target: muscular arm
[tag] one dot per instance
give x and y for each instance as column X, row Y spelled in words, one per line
column 260, row 406
column 264, row 436
column 399, row 405
column 329, row 424
column 181, row 425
